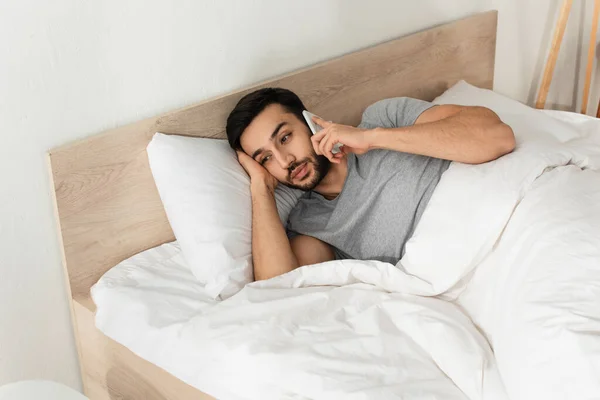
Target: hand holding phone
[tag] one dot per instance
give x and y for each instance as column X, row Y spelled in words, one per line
column 314, row 128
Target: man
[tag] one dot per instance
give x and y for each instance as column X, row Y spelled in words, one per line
column 365, row 201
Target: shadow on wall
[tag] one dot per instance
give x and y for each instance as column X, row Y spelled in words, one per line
column 342, row 34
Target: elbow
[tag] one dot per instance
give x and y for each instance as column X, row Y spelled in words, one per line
column 498, row 137
column 503, row 137
column 505, row 142
column 501, row 142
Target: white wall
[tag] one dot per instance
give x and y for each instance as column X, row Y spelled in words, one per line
column 72, row 68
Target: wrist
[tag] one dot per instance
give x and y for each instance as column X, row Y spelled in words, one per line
column 374, row 138
column 261, row 187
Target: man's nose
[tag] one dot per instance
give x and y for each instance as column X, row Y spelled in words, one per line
column 284, row 159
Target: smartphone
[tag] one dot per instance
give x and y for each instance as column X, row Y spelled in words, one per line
column 314, row 128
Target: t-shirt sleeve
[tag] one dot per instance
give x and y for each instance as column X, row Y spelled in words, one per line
column 291, row 234
column 394, row 112
column 340, row 255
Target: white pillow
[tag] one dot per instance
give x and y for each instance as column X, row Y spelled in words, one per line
column 206, row 195
column 519, row 116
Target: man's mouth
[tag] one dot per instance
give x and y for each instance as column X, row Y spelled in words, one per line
column 300, row 171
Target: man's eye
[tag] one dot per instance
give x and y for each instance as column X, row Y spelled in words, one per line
column 264, row 160
column 285, row 138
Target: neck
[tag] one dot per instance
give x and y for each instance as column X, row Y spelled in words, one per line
column 331, row 185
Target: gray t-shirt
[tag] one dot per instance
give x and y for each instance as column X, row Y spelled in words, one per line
column 383, row 197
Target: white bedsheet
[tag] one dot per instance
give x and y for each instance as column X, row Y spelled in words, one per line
column 358, row 329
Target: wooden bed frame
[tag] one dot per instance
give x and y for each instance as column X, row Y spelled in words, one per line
column 108, row 208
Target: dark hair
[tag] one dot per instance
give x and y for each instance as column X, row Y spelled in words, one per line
column 253, row 104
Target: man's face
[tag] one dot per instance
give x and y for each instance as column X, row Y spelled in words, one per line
column 280, row 142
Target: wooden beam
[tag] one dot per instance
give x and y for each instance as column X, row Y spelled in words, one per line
column 590, row 61
column 559, row 32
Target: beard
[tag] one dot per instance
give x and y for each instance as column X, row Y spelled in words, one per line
column 321, row 165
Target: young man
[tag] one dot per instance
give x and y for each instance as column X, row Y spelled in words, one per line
column 365, row 201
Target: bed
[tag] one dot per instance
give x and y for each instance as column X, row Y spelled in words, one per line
column 109, row 210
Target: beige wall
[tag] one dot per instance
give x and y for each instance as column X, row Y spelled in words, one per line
column 71, row 68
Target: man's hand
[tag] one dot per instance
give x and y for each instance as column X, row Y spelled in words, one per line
column 353, row 140
column 258, row 174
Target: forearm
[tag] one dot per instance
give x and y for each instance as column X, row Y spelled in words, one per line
column 473, row 135
column 271, row 251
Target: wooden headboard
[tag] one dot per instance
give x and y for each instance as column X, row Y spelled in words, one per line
column 107, row 205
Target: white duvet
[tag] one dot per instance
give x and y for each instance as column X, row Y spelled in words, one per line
column 337, row 330
column 512, row 245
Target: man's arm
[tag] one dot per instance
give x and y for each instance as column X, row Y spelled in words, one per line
column 272, row 253
column 470, row 135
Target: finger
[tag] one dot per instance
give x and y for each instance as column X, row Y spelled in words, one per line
column 321, row 145
column 246, row 161
column 322, row 138
column 241, row 156
column 238, row 155
column 321, row 122
column 330, row 146
column 319, row 135
column 315, row 145
column 326, row 145
column 316, row 140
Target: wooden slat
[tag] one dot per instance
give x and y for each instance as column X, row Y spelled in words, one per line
column 559, row 32
column 590, row 59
